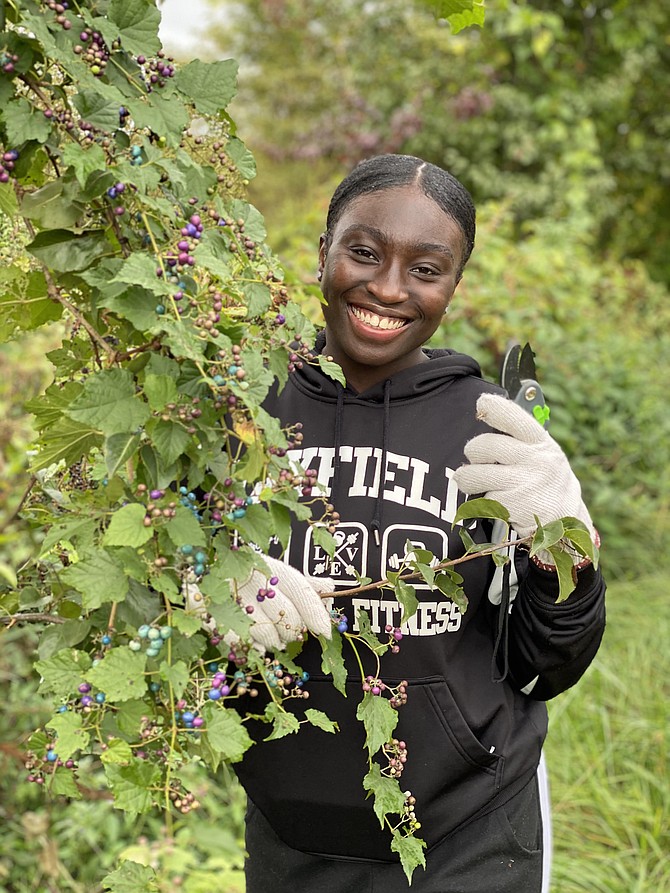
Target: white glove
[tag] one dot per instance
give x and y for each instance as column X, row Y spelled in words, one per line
column 279, row 619
column 522, row 468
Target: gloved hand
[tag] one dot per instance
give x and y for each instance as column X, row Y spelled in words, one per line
column 523, row 468
column 279, row 618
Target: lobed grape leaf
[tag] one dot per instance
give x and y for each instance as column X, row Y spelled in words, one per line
column 226, row 735
column 176, row 675
column 70, row 734
column 210, row 85
column 379, row 720
column 410, row 849
column 132, row 785
column 62, row 673
column 127, row 526
column 332, row 662
column 120, row 674
column 283, row 723
column 388, row 798
column 100, row 577
column 131, row 877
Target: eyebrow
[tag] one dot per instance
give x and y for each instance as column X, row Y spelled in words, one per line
column 415, row 247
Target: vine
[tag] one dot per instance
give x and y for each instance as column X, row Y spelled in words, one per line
column 156, row 465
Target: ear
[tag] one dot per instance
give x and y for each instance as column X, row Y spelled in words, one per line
column 323, row 251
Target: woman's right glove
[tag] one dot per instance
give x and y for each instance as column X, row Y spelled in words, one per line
column 283, row 603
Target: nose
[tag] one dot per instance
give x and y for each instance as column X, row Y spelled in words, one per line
column 387, row 284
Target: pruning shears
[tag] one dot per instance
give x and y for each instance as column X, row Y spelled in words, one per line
column 519, row 379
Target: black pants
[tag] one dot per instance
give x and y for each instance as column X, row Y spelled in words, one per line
column 499, row 853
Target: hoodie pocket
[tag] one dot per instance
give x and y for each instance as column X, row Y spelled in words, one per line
column 449, row 771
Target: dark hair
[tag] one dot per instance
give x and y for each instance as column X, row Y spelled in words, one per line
column 389, row 171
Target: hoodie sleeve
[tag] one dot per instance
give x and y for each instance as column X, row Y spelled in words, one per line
column 550, row 645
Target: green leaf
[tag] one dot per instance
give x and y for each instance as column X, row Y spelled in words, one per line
column 137, row 21
column 322, row 537
column 186, row 623
column 449, row 583
column 83, row 160
column 332, row 370
column 210, row 85
column 100, row 577
column 109, row 403
column 26, row 305
column 24, row 123
column 481, row 508
column 117, row 753
column 60, row 249
column 283, row 723
column 132, row 786
column 319, row 719
column 567, row 575
column 388, row 798
column 256, row 526
column 71, row 736
column 170, row 439
column 366, row 634
column 50, row 208
column 68, row 441
column 241, row 158
column 120, row 674
column 225, row 733
column 139, row 269
column 406, row 595
column 127, row 527
column 332, row 662
column 131, row 877
column 96, row 109
column 459, row 13
column 62, row 673
column 159, row 391
column 164, row 115
column 379, row 720
column 547, row 536
column 184, row 528
column 410, row 849
column 8, row 202
column 176, row 675
column 257, row 298
column 118, row 449
column 63, row 784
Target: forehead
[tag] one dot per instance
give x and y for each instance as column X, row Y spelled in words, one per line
column 402, row 214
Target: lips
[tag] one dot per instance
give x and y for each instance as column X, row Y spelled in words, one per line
column 376, row 320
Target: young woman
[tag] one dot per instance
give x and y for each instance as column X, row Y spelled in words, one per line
column 396, row 450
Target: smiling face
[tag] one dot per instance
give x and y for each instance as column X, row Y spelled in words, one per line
column 388, row 274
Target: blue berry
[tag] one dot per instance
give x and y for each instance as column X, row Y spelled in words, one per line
column 100, row 697
column 153, row 633
column 214, row 694
column 106, row 640
column 165, row 632
column 187, row 716
column 52, row 756
column 143, row 631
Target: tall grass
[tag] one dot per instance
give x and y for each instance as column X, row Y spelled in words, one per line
column 608, row 754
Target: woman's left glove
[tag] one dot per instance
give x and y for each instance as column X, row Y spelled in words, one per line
column 284, row 602
column 523, row 468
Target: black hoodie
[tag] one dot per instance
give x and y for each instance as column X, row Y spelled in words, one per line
column 474, row 721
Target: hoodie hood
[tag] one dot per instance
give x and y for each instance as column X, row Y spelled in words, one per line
column 444, row 366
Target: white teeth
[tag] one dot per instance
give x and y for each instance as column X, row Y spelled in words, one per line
column 377, row 322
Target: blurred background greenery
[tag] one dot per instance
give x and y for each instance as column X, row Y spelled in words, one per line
column 556, row 117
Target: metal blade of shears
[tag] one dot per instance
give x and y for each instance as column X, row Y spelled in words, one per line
column 519, row 378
